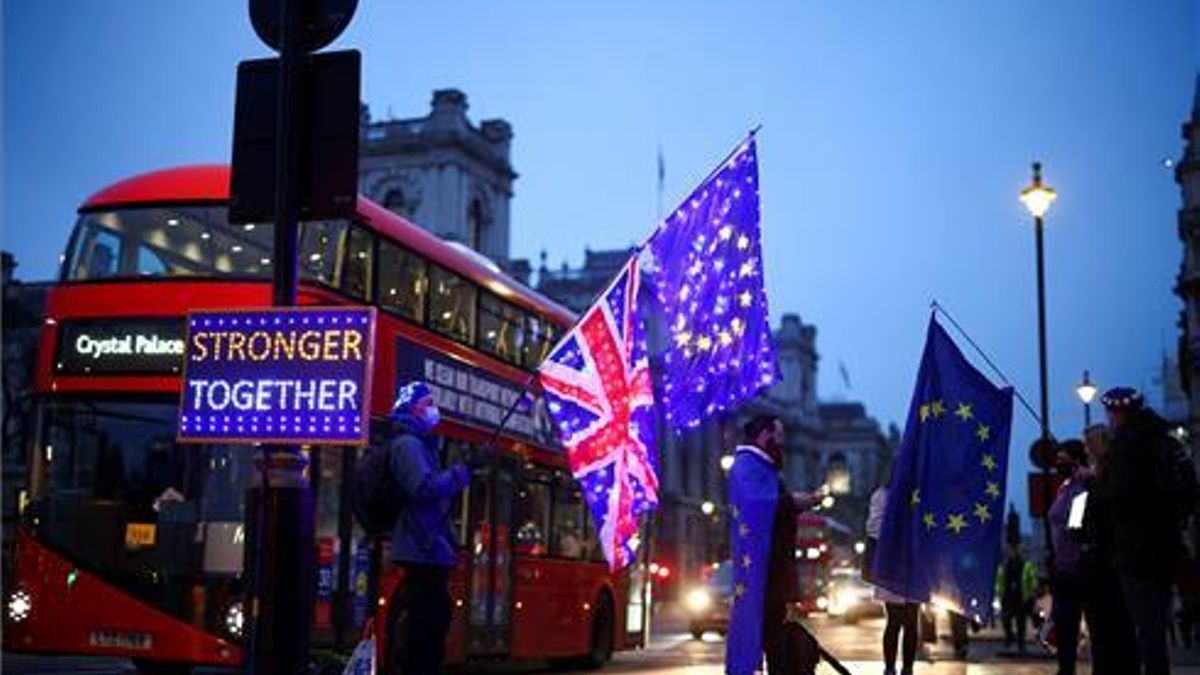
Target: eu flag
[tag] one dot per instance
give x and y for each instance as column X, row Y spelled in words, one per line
column 705, row 263
column 940, row 538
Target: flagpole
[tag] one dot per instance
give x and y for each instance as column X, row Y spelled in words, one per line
column 938, row 308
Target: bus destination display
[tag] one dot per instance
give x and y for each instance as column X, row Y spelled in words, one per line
column 288, row 375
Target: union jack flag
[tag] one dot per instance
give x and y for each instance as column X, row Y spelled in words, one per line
column 599, row 394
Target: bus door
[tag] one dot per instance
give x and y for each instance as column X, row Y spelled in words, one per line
column 490, row 619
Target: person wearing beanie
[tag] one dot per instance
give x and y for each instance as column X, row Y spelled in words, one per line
column 423, row 543
column 1144, row 492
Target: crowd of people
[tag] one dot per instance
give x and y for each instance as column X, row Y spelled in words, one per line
column 1118, row 562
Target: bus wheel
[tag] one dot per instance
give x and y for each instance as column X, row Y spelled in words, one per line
column 602, row 634
column 161, row 667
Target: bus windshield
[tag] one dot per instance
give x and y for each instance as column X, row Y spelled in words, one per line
column 145, row 513
column 166, row 241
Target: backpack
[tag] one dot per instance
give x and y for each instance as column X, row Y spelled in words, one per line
column 374, row 494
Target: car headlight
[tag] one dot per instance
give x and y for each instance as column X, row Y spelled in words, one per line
column 20, row 604
column 822, row 602
column 698, row 600
column 235, row 619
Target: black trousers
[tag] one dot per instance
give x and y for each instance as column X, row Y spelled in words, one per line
column 423, row 600
column 1012, row 613
column 1067, row 609
column 1148, row 600
column 1114, row 650
column 774, row 612
column 900, row 616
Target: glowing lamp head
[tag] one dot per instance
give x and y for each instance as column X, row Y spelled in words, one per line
column 708, row 508
column 726, row 462
column 1086, row 390
column 1038, row 197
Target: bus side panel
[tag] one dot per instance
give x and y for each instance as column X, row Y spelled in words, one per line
column 74, row 612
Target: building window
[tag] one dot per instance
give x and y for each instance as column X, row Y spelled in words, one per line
column 394, row 201
column 500, row 328
column 475, row 222
column 451, row 305
column 403, row 280
column 838, row 475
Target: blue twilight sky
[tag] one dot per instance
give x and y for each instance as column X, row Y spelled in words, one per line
column 896, row 136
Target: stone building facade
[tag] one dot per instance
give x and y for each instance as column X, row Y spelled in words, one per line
column 443, row 173
column 1187, row 287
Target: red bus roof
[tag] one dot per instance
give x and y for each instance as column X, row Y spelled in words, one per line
column 210, row 183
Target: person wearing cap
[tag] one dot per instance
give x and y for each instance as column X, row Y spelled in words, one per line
column 1143, row 490
column 422, row 538
column 1068, row 583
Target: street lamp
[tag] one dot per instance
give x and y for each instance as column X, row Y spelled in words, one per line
column 1087, row 392
column 708, row 508
column 1038, row 198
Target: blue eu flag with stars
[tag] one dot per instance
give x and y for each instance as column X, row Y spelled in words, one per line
column 941, row 533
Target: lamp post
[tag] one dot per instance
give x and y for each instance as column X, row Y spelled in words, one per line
column 1087, row 392
column 1037, row 198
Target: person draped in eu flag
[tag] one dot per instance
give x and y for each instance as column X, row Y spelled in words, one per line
column 941, row 531
column 763, row 531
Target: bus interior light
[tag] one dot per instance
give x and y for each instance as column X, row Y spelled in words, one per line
column 235, row 619
column 19, row 605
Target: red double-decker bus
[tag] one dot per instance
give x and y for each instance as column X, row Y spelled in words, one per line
column 133, row 545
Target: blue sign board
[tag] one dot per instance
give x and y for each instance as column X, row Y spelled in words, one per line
column 288, row 375
column 466, row 393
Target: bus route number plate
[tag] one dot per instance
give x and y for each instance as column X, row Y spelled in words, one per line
column 139, row 535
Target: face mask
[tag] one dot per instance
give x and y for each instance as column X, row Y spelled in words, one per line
column 432, row 416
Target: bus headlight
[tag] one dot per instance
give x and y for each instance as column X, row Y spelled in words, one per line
column 235, row 619
column 20, row 604
column 698, row 600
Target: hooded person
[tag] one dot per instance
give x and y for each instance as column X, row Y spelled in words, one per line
column 763, row 531
column 422, row 538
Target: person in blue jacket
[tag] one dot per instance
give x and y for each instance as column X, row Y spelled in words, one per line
column 422, row 540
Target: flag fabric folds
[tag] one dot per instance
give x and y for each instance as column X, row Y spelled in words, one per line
column 941, row 533
column 597, row 386
column 753, row 495
column 705, row 264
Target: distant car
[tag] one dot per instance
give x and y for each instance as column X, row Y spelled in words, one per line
column 708, row 603
column 849, row 597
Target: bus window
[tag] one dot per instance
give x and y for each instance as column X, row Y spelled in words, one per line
column 355, row 277
column 569, row 538
column 176, row 241
column 531, row 515
column 320, row 243
column 500, row 329
column 451, row 304
column 539, row 339
column 402, row 281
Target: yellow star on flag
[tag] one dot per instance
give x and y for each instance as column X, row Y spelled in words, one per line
column 683, row 338
column 915, row 497
column 703, row 343
column 937, row 408
column 743, row 531
column 743, row 242
column 746, row 269
column 989, row 462
column 984, row 432
column 930, row 521
column 737, row 326
column 982, row 513
column 737, row 513
column 725, row 338
column 746, row 299
column 956, row 524
column 725, row 232
column 739, row 591
column 964, row 412
column 993, row 490
column 746, row 560
column 924, row 413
